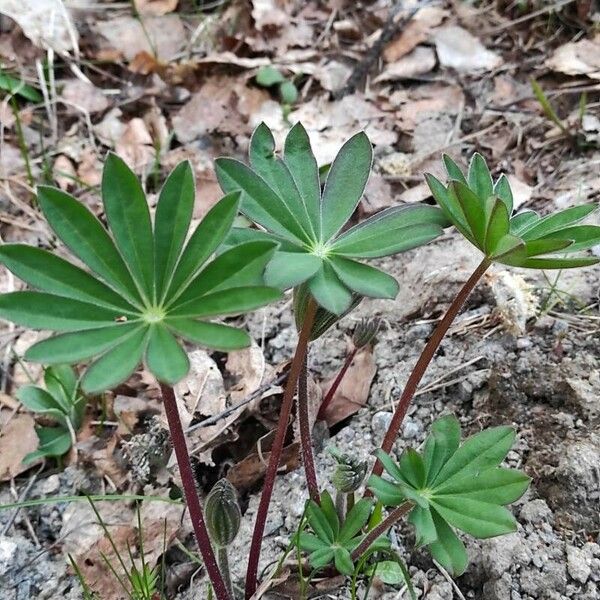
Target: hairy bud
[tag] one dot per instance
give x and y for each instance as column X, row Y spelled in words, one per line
column 223, row 514
column 366, row 332
column 349, row 473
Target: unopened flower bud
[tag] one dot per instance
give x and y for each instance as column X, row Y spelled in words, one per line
column 366, row 332
column 349, row 473
column 223, row 514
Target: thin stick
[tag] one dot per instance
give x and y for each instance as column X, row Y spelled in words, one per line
column 277, row 449
column 305, row 435
column 191, row 493
column 335, row 385
column 424, row 360
column 380, row 529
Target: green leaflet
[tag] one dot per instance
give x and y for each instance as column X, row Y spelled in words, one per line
column 140, row 287
column 454, row 485
column 327, row 289
column 363, row 279
column 482, row 211
column 288, row 269
column 129, row 220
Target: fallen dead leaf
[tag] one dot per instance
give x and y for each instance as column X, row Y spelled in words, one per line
column 577, row 58
column 249, row 370
column 160, row 36
column 47, row 23
column 64, row 172
column 420, row 61
column 521, row 191
column 17, row 439
column 135, row 145
column 458, row 49
column 415, row 33
column 378, row 195
column 155, row 8
column 353, row 392
column 85, row 96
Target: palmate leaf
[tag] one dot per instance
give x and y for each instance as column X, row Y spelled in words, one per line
column 482, row 211
column 145, row 287
column 332, row 541
column 453, row 485
column 283, row 196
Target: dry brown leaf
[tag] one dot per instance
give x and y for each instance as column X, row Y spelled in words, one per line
column 267, row 14
column 17, row 439
column 353, row 392
column 459, row 50
column 249, row 370
column 378, row 195
column 420, row 61
column 416, row 32
column 135, row 145
column 155, row 8
column 160, row 36
column 47, row 23
column 64, row 172
column 577, row 58
column 90, row 167
column 84, row 96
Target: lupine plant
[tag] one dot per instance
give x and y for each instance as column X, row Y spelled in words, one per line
column 61, row 402
column 144, row 289
column 318, row 256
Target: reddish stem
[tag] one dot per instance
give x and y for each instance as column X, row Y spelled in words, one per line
column 424, row 360
column 191, row 493
column 335, row 385
column 380, row 529
column 277, row 449
column 305, row 435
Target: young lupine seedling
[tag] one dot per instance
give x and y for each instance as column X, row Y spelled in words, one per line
column 223, row 519
column 144, row 289
column 316, row 256
column 449, row 485
column 62, row 402
column 482, row 210
column 332, row 540
column 346, row 479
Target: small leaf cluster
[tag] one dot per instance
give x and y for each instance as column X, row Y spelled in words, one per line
column 61, row 402
column 482, row 210
column 145, row 287
column 454, row 485
column 332, row 541
column 283, row 195
column 271, row 77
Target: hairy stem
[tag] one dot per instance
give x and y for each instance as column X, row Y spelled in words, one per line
column 224, row 566
column 335, row 385
column 305, row 435
column 191, row 493
column 380, row 529
column 277, row 449
column 424, row 360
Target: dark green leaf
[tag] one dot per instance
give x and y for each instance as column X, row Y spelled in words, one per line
column 329, row 291
column 483, row 450
column 388, row 493
column 207, row 237
column 479, row 178
column 321, row 558
column 237, row 267
column 345, row 184
column 546, row 246
column 40, row 401
column 15, row 86
column 129, row 220
column 521, row 221
column 84, row 235
column 319, row 522
column 259, row 202
column 45, row 311
column 355, row 520
column 303, row 166
column 310, row 543
column 80, row 345
column 54, row 441
column 448, row 550
column 327, row 506
column 231, row 301
column 165, row 358
column 557, row 263
column 116, row 365
column 390, row 231
column 582, row 236
column 420, row 517
column 448, row 202
column 49, row 273
column 390, row 465
column 288, row 92
column 276, row 173
column 453, row 170
column 343, row 561
column 242, row 235
column 172, row 221
column 289, row 269
column 363, row 279
column 473, row 209
column 267, row 76
column 413, row 468
column 210, row 335
column 441, row 444
column 498, row 226
column 479, row 519
column 503, row 191
column 559, row 220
